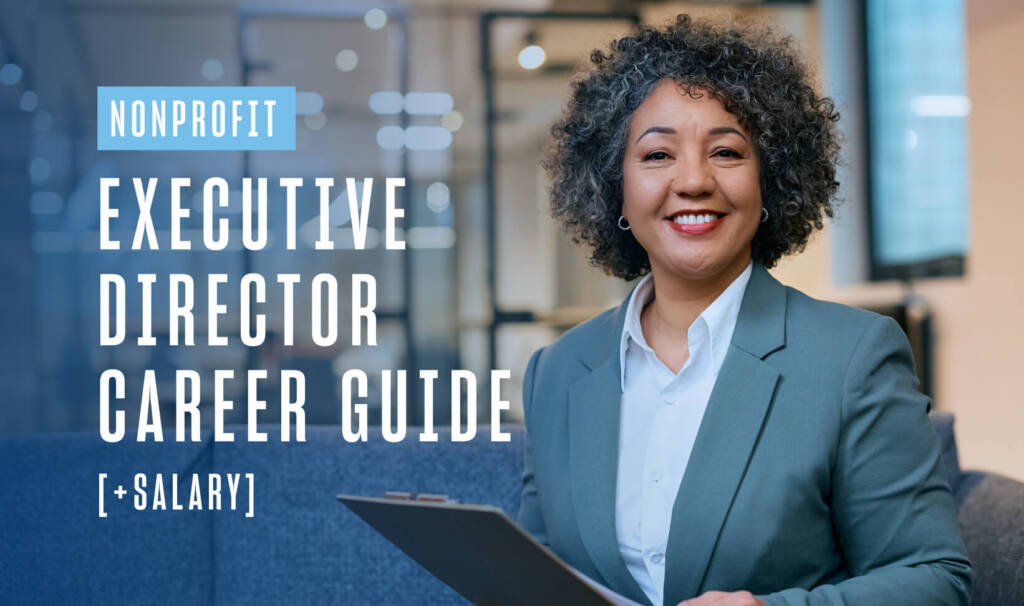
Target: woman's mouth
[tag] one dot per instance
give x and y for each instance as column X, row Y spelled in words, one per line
column 695, row 223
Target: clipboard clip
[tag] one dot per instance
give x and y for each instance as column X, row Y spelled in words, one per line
column 421, row 497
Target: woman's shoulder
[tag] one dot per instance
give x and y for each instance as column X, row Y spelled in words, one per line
column 819, row 319
column 598, row 334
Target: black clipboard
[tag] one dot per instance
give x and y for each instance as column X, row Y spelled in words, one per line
column 480, row 553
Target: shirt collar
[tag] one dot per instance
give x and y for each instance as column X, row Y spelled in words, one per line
column 720, row 317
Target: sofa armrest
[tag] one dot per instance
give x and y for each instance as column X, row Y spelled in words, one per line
column 991, row 518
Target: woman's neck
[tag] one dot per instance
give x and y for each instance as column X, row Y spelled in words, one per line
column 677, row 300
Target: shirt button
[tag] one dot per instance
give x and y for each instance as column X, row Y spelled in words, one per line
column 657, row 558
column 656, row 476
column 670, row 397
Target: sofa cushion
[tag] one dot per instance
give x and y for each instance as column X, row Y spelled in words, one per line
column 57, row 550
column 303, row 546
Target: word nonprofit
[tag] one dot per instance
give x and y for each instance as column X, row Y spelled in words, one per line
column 195, row 117
column 157, row 119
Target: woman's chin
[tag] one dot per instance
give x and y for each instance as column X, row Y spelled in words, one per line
column 698, row 268
column 692, row 270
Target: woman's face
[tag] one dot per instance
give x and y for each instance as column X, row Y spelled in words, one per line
column 687, row 159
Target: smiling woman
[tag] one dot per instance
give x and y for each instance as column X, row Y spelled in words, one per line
column 721, row 438
column 691, row 161
column 691, row 171
column 766, row 94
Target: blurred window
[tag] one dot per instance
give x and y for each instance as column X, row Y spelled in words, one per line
column 917, row 137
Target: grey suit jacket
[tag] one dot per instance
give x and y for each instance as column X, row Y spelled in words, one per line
column 815, row 477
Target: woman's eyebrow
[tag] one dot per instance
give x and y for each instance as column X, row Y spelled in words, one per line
column 718, row 130
column 721, row 130
column 657, row 129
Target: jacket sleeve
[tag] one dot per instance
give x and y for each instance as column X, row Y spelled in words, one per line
column 892, row 509
column 530, row 517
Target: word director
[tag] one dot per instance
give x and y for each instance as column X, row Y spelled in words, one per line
column 251, row 322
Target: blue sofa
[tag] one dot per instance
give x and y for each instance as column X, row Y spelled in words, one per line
column 302, row 546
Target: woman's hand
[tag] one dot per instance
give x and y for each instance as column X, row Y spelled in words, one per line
column 724, row 598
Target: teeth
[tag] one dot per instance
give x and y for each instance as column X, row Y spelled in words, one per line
column 687, row 219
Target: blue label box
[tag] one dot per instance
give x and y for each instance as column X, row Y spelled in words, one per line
column 195, row 118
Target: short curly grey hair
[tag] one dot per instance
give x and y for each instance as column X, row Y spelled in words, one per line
column 756, row 75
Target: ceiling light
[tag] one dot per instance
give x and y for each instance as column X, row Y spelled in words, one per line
column 452, row 120
column 531, row 57
column 375, row 18
column 212, row 70
column 346, row 60
column 428, row 103
column 386, row 102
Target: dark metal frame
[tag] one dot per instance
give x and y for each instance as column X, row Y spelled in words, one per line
column 946, row 266
column 404, row 315
column 500, row 316
column 915, row 317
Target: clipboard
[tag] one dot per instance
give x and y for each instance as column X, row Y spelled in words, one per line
column 479, row 552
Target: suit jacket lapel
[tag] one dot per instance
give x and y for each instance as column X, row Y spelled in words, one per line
column 594, row 401
column 732, row 422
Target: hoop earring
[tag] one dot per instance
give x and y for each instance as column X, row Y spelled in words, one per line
column 627, row 227
column 765, row 211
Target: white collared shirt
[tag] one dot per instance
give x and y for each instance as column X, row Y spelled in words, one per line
column 660, row 414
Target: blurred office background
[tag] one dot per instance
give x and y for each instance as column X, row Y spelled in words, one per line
column 457, row 96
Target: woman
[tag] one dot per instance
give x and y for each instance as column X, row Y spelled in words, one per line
column 721, row 438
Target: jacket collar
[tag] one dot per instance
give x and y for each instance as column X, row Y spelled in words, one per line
column 719, row 318
column 760, row 326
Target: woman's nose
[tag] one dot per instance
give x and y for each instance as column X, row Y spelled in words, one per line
column 694, row 176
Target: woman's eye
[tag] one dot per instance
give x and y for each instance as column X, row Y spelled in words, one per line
column 727, row 153
column 657, row 155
